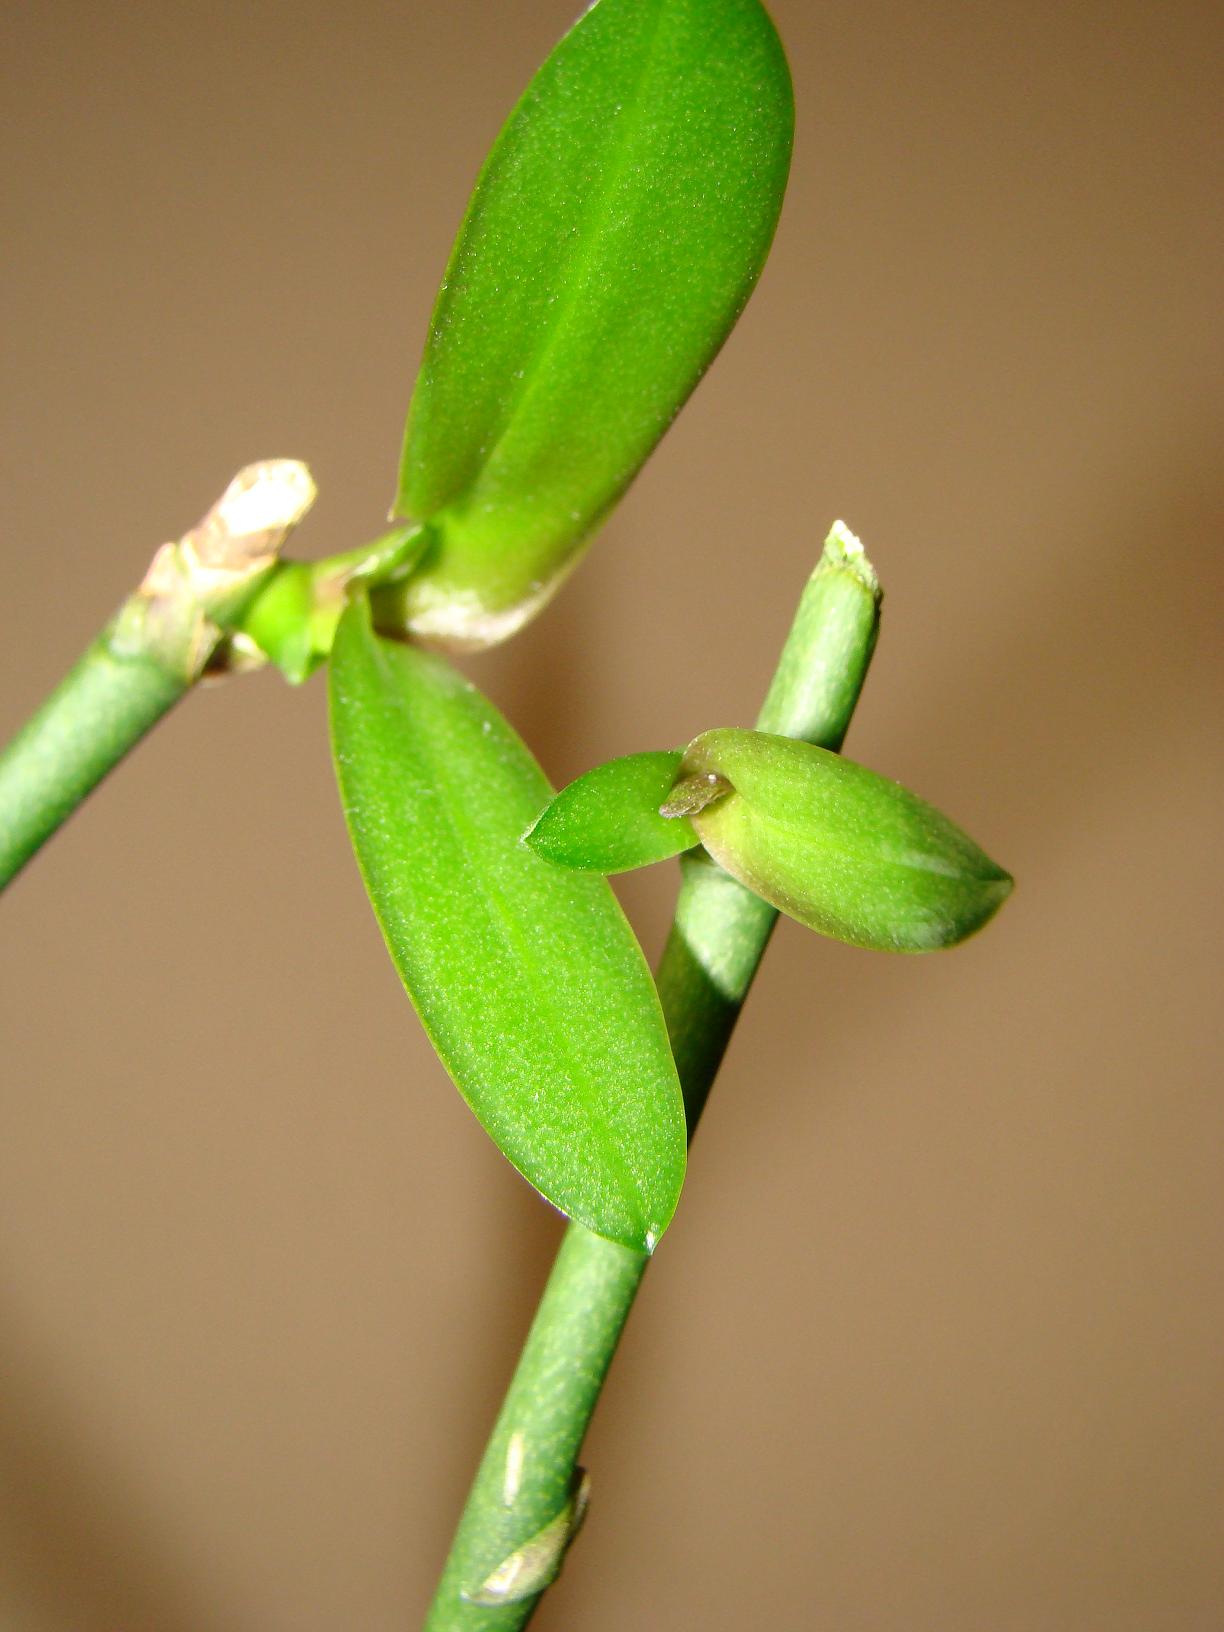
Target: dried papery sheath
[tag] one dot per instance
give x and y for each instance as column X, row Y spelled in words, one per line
column 692, row 794
column 196, row 584
column 241, row 536
column 840, row 848
column 250, row 521
column 537, row 1563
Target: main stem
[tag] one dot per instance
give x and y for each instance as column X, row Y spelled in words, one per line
column 150, row 653
column 527, row 1497
column 101, row 709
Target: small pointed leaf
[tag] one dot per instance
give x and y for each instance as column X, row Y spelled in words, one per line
column 608, row 820
column 615, row 234
column 843, row 850
column 527, row 978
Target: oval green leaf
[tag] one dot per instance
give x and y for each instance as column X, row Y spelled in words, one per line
column 527, row 978
column 608, row 821
column 840, row 848
column 614, row 236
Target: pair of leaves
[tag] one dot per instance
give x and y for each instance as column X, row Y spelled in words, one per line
column 614, row 236
column 831, row 843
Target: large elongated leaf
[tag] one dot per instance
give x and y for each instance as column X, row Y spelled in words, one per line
column 615, row 233
column 528, row 978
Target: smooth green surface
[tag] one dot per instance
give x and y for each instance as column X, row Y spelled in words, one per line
column 104, row 705
column 828, row 650
column 293, row 616
column 528, row 1473
column 527, row 978
column 840, row 848
column 279, row 618
column 715, row 947
column 608, row 821
column 615, row 234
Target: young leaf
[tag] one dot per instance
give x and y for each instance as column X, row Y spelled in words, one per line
column 843, row 850
column 608, row 820
column 615, row 234
column 527, row 978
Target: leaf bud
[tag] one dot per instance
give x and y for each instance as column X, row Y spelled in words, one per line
column 840, row 848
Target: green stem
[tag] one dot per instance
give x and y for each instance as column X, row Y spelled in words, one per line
column 120, row 688
column 520, row 1513
column 150, row 653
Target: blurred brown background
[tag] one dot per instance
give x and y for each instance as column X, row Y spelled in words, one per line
column 936, row 1340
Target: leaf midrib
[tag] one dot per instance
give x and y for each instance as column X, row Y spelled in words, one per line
column 573, row 283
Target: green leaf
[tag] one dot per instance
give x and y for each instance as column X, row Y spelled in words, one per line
column 843, row 850
column 615, row 234
column 608, row 820
column 527, row 978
